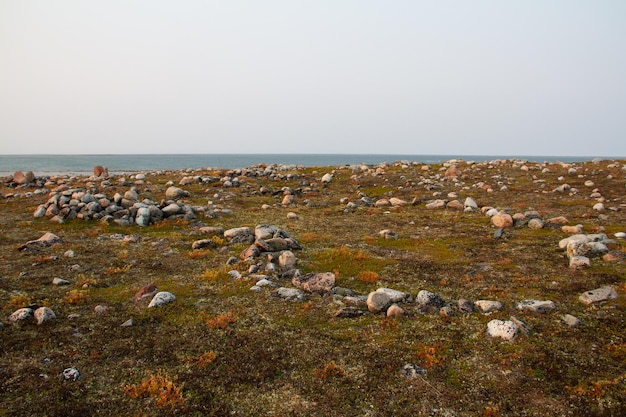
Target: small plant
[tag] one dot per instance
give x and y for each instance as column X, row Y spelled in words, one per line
column 19, row 300
column 160, row 388
column 199, row 254
column 76, row 297
column 369, row 277
column 221, row 321
column 330, row 370
column 214, row 274
column 430, row 355
column 112, row 270
column 205, row 359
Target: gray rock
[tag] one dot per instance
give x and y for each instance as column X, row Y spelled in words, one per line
column 162, row 298
column 427, row 298
column 171, row 210
column 239, row 235
column 579, row 262
column 470, row 202
column 598, row 295
column 465, row 306
column 410, row 370
column 143, row 216
column 289, row 294
column 394, row 295
column 525, row 328
column 21, row 314
column 266, row 231
column 535, row 224
column 128, row 323
column 506, row 330
column 378, row 301
column 44, row 314
column 175, row 193
column 59, row 281
column 488, row 306
column 287, row 260
column 71, row 374
column 437, row 204
column 203, row 243
column 571, row 321
column 536, row 306
column 320, row 283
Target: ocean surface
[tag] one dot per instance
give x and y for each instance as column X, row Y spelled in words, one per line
column 83, row 164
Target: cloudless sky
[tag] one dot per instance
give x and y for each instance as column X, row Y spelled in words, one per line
column 496, row 77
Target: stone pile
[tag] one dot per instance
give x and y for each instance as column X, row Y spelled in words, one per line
column 77, row 203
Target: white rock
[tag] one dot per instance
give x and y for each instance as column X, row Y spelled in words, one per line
column 598, row 295
column 470, row 202
column 59, row 281
column 506, row 330
column 571, row 321
column 44, row 314
column 579, row 262
column 598, row 207
column 488, row 306
column 536, row 306
column 327, row 178
column 289, row 294
column 162, row 298
column 21, row 314
column 620, row 235
column 71, row 374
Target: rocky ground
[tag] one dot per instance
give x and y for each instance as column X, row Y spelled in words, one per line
column 466, row 288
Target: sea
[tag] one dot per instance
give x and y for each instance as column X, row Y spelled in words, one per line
column 43, row 165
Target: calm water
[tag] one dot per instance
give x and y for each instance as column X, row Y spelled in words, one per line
column 83, row 164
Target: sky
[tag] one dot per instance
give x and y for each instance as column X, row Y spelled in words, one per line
column 411, row 77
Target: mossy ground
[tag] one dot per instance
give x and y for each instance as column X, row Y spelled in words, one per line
column 222, row 349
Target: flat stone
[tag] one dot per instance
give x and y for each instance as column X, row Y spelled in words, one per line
column 350, row 312
column 536, row 306
column 506, row 330
column 320, row 283
column 488, row 306
column 394, row 295
column 289, row 294
column 598, row 295
column 203, row 243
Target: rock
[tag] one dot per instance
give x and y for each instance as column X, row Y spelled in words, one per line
column 383, row 202
column 71, row 374
column 276, row 244
column 488, row 306
column 536, row 306
column 20, row 315
column 349, row 312
column 446, row 311
column 506, row 330
column 327, row 178
column 59, row 281
column 162, row 298
column 573, row 230
column 502, row 220
column 378, row 301
column 175, row 193
column 48, row 239
column 614, row 256
column 250, row 252
column 267, row 231
column 44, row 314
column 598, row 295
column 557, row 220
column 571, row 321
column 394, row 295
column 288, row 200
column 598, row 207
column 239, row 235
column 525, row 328
column 535, row 224
column 471, row 203
column 579, row 262
column 146, row 292
column 212, row 231
column 437, row 204
column 289, row 294
column 588, row 249
column 292, row 216
column 410, row 370
column 320, row 283
column 40, row 212
column 287, row 260
column 143, row 217
column 452, row 172
column 465, row 306
column 100, row 309
column 620, row 235
column 100, row 171
column 427, row 298
column 203, row 243
column 575, row 238
column 69, row 254
column 455, row 205
column 396, row 202
column 396, row 311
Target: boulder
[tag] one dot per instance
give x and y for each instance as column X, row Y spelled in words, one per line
column 162, row 298
column 48, row 239
column 599, row 295
column 100, row 171
column 320, row 283
column 287, row 260
column 203, row 243
column 488, row 306
column 396, row 311
column 571, row 321
column 44, row 314
column 378, row 301
column 502, row 220
column 21, row 315
column 429, row 299
column 579, row 262
column 239, row 235
column 394, row 295
column 506, row 330
column 536, row 306
column 175, row 193
column 327, row 178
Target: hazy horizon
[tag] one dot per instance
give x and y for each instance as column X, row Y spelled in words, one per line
column 291, row 77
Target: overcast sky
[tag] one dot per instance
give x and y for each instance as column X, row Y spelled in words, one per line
column 404, row 77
